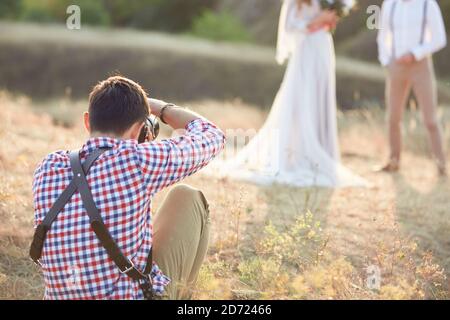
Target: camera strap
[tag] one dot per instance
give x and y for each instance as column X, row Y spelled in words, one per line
column 79, row 183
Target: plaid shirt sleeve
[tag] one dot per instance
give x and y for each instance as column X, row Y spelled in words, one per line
column 37, row 180
column 169, row 161
column 43, row 193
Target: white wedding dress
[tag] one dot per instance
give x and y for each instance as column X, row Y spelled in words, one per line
column 298, row 144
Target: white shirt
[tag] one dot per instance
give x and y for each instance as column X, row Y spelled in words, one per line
column 401, row 33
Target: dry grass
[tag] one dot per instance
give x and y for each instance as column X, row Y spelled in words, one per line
column 279, row 242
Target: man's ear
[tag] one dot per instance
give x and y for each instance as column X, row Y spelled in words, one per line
column 86, row 121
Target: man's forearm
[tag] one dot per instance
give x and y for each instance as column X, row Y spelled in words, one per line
column 176, row 117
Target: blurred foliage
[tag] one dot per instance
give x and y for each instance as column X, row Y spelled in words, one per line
column 92, row 12
column 35, row 11
column 198, row 17
column 179, row 15
column 9, row 8
column 219, row 26
column 167, row 15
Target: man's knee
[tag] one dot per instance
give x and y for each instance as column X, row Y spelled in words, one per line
column 185, row 192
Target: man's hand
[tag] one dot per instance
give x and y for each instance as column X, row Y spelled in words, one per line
column 156, row 106
column 177, row 118
column 406, row 59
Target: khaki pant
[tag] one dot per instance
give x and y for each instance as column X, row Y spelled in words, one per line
column 420, row 77
column 180, row 238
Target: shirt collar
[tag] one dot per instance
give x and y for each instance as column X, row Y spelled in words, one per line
column 99, row 142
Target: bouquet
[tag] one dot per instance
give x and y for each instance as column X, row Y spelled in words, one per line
column 341, row 7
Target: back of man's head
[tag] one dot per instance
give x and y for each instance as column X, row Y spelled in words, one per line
column 116, row 104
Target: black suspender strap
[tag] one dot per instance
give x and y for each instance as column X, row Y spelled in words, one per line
column 80, row 183
column 424, row 22
column 394, row 6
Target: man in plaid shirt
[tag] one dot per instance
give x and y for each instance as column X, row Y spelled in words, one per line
column 123, row 181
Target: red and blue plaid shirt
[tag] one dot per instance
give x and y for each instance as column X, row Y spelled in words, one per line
column 123, row 181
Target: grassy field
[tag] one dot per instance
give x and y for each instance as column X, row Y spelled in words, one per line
column 277, row 242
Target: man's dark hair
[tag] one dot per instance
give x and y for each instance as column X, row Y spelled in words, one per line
column 116, row 104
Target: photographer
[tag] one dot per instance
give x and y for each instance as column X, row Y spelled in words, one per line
column 169, row 248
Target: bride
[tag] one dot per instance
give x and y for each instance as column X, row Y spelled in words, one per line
column 298, row 144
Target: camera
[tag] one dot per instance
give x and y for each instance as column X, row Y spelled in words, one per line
column 150, row 130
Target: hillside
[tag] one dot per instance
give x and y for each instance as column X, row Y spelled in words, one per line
column 178, row 67
column 267, row 242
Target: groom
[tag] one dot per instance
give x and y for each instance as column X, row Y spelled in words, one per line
column 411, row 32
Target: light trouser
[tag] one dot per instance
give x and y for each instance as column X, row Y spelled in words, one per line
column 180, row 238
column 420, row 77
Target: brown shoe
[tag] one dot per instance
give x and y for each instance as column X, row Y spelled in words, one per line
column 442, row 169
column 391, row 166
